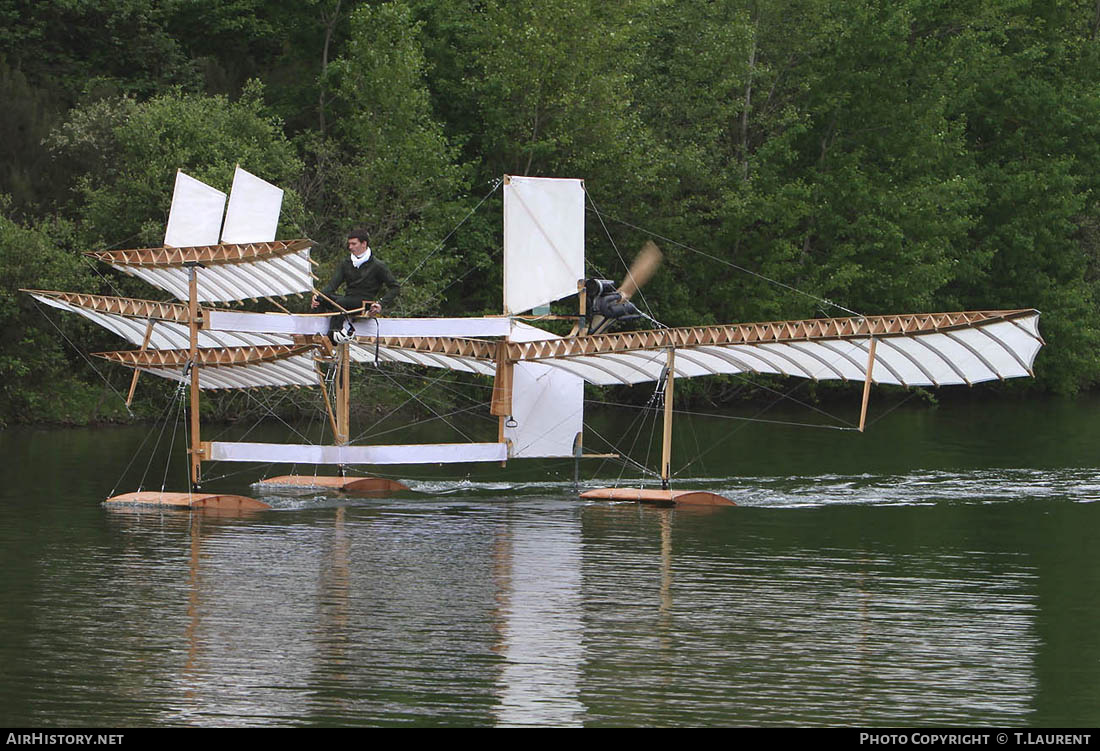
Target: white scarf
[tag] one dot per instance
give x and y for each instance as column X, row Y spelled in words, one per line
column 358, row 261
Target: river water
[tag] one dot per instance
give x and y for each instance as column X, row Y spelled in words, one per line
column 941, row 569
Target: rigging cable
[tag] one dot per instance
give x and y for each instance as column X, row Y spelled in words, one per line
column 426, row 405
column 163, row 416
column 758, row 275
column 372, row 428
column 622, row 260
column 186, row 442
column 439, row 247
column 177, row 399
column 734, row 417
column 86, row 359
column 726, row 437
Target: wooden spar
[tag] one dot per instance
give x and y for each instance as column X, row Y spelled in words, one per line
column 867, row 384
column 500, row 404
column 212, row 357
column 343, row 398
column 328, row 404
column 144, row 346
column 582, row 310
column 666, row 444
column 193, row 308
column 205, row 254
column 824, row 329
column 277, row 304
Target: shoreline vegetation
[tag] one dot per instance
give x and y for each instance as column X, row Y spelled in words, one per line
column 793, row 158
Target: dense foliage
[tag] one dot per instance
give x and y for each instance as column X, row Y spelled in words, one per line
column 893, row 156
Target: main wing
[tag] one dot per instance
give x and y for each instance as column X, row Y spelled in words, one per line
column 926, row 349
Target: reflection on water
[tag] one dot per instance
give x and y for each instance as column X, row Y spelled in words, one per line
column 540, row 622
column 939, row 596
column 825, row 636
column 914, row 488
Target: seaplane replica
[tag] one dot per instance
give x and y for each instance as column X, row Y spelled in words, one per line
column 215, row 254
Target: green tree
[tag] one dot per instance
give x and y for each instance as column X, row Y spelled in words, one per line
column 1033, row 117
column 39, row 373
column 544, row 89
column 127, row 153
column 389, row 168
column 821, row 152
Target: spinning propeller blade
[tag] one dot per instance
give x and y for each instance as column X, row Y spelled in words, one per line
column 643, row 268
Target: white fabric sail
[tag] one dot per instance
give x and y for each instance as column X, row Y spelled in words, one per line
column 159, row 332
column 543, row 240
column 196, row 214
column 384, row 353
column 228, row 273
column 247, row 263
column 547, row 404
column 282, row 323
column 253, row 213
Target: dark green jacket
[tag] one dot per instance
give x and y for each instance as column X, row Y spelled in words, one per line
column 365, row 282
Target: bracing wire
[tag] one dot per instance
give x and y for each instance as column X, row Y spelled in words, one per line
column 738, row 418
column 903, row 401
column 622, row 260
column 163, row 416
column 728, row 435
column 172, row 444
column 647, row 411
column 176, row 400
column 439, row 247
column 622, row 458
column 411, row 397
column 86, row 358
column 732, row 265
column 427, row 406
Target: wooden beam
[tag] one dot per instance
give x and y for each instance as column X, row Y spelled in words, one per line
column 867, row 384
column 193, row 315
column 501, row 404
column 343, row 395
column 208, row 255
column 328, row 405
column 210, row 357
column 123, row 306
column 666, row 442
column 144, row 346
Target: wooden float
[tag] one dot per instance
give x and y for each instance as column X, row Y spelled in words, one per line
column 221, row 501
column 373, row 486
column 664, row 497
column 670, row 497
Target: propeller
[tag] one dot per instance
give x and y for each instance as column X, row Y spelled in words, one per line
column 643, row 268
column 606, row 304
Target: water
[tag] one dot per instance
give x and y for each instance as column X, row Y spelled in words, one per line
column 938, row 570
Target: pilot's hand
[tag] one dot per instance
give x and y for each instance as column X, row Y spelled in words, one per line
column 375, row 309
column 315, row 302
